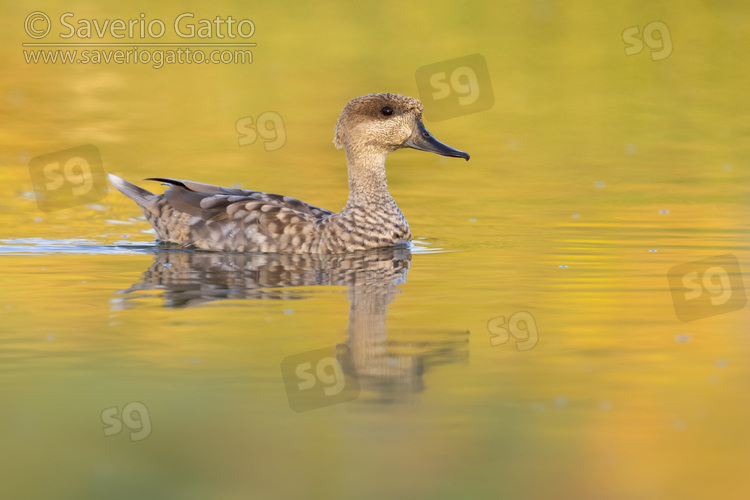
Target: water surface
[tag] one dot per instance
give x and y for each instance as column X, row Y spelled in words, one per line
column 527, row 346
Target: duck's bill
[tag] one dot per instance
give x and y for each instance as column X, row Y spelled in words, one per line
column 422, row 140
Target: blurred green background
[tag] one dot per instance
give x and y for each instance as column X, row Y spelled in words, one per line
column 591, row 176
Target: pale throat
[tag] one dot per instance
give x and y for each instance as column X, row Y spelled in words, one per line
column 367, row 179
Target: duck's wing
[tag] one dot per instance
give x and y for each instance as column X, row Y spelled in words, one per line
column 195, row 196
column 219, row 218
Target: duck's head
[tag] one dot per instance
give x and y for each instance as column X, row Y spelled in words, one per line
column 383, row 123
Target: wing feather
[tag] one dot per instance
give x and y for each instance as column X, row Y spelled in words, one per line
column 215, row 217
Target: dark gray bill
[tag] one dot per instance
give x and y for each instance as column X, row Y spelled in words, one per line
column 422, row 140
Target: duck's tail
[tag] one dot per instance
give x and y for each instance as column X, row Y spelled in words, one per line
column 143, row 198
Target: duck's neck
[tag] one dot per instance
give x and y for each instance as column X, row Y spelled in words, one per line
column 367, row 183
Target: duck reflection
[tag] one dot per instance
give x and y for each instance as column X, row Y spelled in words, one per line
column 389, row 369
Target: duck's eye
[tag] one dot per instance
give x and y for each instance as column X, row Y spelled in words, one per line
column 387, row 110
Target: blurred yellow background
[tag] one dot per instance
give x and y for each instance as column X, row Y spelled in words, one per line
column 593, row 174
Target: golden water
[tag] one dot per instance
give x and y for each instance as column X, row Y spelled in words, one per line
column 593, row 174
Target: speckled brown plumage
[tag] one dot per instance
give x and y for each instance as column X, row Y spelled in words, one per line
column 193, row 214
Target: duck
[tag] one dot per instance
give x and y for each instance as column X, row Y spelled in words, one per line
column 206, row 217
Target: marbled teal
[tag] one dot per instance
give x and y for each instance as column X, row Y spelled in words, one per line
column 203, row 216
